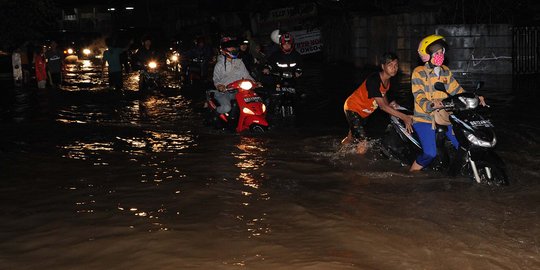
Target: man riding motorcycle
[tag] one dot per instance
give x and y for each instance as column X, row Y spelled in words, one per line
column 146, row 53
column 246, row 56
column 227, row 70
column 148, row 62
column 286, row 58
column 198, row 60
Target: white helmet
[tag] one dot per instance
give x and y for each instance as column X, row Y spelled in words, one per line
column 274, row 36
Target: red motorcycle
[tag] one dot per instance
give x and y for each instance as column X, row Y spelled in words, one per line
column 247, row 109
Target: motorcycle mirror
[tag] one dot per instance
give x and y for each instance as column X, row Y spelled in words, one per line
column 439, row 86
column 479, row 85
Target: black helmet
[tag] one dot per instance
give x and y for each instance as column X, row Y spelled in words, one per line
column 228, row 42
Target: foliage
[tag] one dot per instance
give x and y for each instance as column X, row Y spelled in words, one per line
column 25, row 20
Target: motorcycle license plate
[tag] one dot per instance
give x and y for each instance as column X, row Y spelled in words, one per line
column 481, row 123
column 286, row 89
column 253, row 99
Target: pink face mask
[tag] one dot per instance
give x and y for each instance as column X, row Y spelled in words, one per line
column 437, row 59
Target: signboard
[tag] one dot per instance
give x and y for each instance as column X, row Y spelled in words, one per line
column 299, row 11
column 307, row 42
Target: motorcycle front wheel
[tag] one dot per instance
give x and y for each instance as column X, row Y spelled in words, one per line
column 492, row 173
column 489, row 167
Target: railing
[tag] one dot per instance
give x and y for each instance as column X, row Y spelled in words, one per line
column 526, row 50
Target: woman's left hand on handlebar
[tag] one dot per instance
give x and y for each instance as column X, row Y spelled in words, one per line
column 482, row 101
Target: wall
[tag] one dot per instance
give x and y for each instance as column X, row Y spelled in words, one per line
column 484, row 49
column 477, row 49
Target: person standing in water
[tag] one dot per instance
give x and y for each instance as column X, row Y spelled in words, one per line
column 369, row 96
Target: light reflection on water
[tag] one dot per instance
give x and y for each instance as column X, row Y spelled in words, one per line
column 151, row 142
column 139, row 183
column 250, row 161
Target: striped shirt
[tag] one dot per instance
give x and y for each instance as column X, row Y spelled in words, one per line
column 423, row 92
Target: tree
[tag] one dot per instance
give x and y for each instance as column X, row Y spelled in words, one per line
column 25, row 20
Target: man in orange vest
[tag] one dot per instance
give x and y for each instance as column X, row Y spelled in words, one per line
column 369, row 96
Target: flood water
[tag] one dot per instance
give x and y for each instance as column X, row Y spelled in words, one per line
column 92, row 179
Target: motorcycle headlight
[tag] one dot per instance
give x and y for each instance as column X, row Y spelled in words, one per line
column 70, row 51
column 263, row 108
column 470, row 103
column 479, row 142
column 174, row 58
column 87, row 51
column 152, row 64
column 247, row 110
column 246, row 85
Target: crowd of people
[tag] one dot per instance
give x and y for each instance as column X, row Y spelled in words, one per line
column 43, row 63
column 236, row 60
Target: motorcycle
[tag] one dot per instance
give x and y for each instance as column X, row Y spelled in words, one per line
column 248, row 111
column 196, row 70
column 173, row 61
column 475, row 157
column 282, row 101
column 149, row 77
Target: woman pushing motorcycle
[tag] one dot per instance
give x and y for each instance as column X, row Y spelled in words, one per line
column 427, row 100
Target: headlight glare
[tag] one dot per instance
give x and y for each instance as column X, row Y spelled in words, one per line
column 247, row 111
column 246, row 85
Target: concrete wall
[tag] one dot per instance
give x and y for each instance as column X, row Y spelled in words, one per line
column 479, row 49
column 476, row 49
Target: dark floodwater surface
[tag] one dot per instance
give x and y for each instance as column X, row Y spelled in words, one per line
column 99, row 180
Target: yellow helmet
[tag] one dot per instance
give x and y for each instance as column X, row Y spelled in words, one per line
column 422, row 47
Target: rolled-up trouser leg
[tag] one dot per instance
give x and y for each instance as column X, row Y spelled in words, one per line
column 356, row 125
column 224, row 100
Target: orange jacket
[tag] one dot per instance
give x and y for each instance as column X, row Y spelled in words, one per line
column 362, row 100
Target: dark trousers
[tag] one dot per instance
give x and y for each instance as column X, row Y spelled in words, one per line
column 55, row 78
column 356, row 125
column 115, row 80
